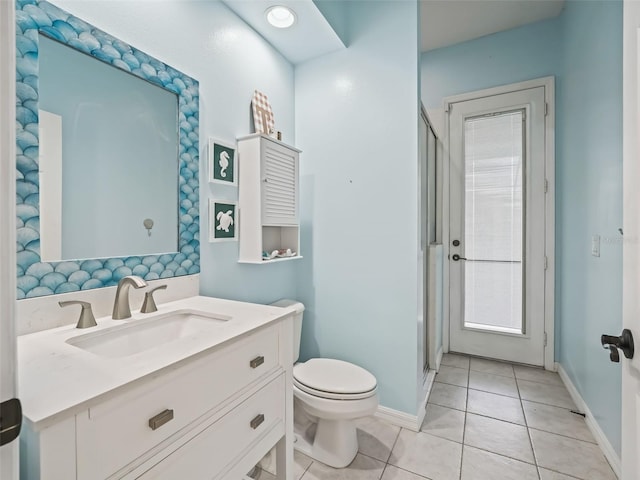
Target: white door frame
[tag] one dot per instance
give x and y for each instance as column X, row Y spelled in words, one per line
column 630, row 438
column 549, row 279
column 9, row 452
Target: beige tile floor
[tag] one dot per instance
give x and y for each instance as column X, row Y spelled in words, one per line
column 485, row 420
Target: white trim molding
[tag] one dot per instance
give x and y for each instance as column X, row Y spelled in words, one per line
column 603, row 442
column 427, row 385
column 398, row 418
column 9, row 453
column 406, row 420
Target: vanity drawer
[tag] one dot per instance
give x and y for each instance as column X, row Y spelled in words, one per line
column 118, row 431
column 214, row 451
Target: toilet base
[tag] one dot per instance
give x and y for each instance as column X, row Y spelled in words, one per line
column 332, row 442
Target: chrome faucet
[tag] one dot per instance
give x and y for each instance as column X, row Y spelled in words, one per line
column 121, row 308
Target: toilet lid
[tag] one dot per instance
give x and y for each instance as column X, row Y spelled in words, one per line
column 333, row 376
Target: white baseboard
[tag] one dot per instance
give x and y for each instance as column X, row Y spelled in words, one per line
column 405, row 420
column 439, row 359
column 398, row 418
column 606, row 447
column 427, row 385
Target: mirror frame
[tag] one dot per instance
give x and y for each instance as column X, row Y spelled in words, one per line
column 34, row 277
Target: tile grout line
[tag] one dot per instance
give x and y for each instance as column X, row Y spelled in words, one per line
column 526, row 423
column 384, row 469
column 563, row 435
column 392, row 448
column 306, row 469
column 515, row 376
column 519, row 460
column 483, row 415
column 521, row 401
column 562, row 473
column 468, row 389
column 500, row 420
column 409, row 471
column 484, row 449
column 371, row 457
column 494, row 393
column 503, row 395
column 547, row 404
column 464, row 427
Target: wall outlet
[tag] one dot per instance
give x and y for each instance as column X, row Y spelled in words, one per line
column 595, row 245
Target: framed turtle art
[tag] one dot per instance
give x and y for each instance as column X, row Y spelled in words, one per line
column 223, row 221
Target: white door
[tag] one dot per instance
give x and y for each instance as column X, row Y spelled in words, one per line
column 9, row 451
column 631, row 252
column 497, row 226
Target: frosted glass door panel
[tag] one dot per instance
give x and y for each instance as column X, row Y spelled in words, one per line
column 493, row 295
column 493, row 223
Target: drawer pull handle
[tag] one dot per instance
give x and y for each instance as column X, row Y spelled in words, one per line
column 160, row 419
column 257, row 421
column 256, row 362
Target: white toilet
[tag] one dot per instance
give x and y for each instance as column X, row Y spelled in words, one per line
column 328, row 395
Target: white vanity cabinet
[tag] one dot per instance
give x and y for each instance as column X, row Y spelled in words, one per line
column 268, row 198
column 213, row 416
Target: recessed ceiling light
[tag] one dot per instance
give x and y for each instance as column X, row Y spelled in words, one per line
column 280, row 17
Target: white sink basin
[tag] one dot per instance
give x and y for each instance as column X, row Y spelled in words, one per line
column 140, row 335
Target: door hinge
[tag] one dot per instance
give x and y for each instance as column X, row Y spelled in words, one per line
column 447, row 107
column 545, row 339
column 546, row 185
column 546, row 262
column 546, row 109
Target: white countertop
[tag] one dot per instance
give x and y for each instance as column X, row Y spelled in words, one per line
column 57, row 380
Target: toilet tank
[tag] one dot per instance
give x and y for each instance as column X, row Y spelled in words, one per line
column 297, row 323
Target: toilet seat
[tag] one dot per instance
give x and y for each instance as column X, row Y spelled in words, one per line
column 334, row 379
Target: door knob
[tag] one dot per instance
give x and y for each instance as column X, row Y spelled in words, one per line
column 455, row 257
column 10, row 420
column 624, row 342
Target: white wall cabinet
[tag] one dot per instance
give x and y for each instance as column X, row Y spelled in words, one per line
column 268, row 198
column 224, row 411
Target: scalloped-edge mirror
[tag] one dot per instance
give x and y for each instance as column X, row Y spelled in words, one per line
column 37, row 277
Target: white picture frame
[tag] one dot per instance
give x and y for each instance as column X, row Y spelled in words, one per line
column 222, row 160
column 223, row 220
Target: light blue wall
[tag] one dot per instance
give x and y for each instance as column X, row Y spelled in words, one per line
column 508, row 57
column 120, row 155
column 357, row 124
column 589, row 202
column 336, row 14
column 582, row 48
column 230, row 60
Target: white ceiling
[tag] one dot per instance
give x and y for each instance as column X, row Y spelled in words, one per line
column 447, row 22
column 443, row 23
column 311, row 35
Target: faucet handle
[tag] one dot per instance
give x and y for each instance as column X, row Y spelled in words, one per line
column 149, row 304
column 86, row 319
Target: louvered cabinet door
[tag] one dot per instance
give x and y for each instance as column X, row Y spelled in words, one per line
column 279, row 196
column 268, row 200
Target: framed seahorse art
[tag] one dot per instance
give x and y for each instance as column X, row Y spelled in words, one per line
column 223, row 163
